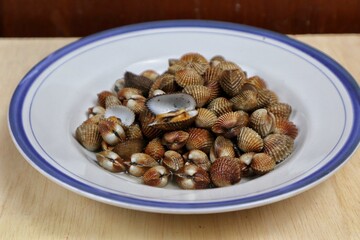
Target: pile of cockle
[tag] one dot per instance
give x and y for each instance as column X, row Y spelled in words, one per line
column 201, row 123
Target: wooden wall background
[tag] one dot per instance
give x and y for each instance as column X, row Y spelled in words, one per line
column 40, row 18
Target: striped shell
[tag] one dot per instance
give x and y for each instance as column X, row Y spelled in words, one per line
column 266, row 97
column 225, row 171
column 129, row 147
column 155, row 149
column 111, row 131
column 140, row 163
column 173, row 160
column 220, row 106
column 165, row 82
column 280, row 110
column 110, row 161
column 228, row 65
column 199, row 158
column 157, row 176
column 111, row 101
column 102, row 97
column 175, row 140
column 229, row 124
column 262, row 121
column 89, row 136
column 195, row 61
column 187, row 77
column 200, row 93
column 246, row 100
column 222, row 147
column 256, row 82
column 286, row 127
column 211, row 78
column 199, row 139
column 231, row 81
column 279, row 146
column 262, row 163
column 192, row 177
column 137, row 81
column 205, row 118
column 146, row 118
column 249, row 140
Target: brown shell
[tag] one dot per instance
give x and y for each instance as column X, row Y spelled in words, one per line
column 127, row 93
column 245, row 161
column 111, row 131
column 211, row 78
column 286, row 127
column 222, row 147
column 134, row 132
column 246, row 100
column 205, row 118
column 280, row 110
column 187, row 77
column 255, row 81
column 225, row 171
column 165, row 82
column 266, row 97
column 140, row 163
column 231, row 81
column 214, row 61
column 111, row 101
column 228, row 65
column 199, row 139
column 110, row 161
column 180, row 121
column 175, row 140
column 89, row 136
column 173, row 160
column 262, row 121
column 249, row 140
column 192, row 177
column 136, row 103
column 262, row 163
column 195, row 61
column 220, row 106
column 279, row 146
column 146, row 118
column 200, row 93
column 137, row 81
column 199, row 158
column 155, row 149
column 229, row 124
column 151, row 74
column 157, row 176
column 129, row 147
column 102, row 97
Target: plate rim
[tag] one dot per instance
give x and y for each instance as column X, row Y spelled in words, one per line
column 24, row 146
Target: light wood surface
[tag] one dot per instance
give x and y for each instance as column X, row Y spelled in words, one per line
column 33, row 207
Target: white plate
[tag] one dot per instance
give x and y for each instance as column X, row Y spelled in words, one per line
column 51, row 100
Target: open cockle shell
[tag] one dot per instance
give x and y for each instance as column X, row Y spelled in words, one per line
column 170, row 102
column 125, row 114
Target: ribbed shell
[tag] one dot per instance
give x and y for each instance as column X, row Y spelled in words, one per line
column 173, row 160
column 146, row 117
column 129, row 147
column 266, row 97
column 111, row 131
column 231, row 81
column 111, row 101
column 181, row 121
column 249, row 140
column 110, row 161
column 199, row 139
column 255, row 81
column 262, row 163
column 199, row 158
column 89, row 136
column 155, row 149
column 279, row 146
column 214, row 61
column 220, row 106
column 228, row 65
column 157, row 176
column 165, row 82
column 222, row 147
column 134, row 132
column 136, row 103
column 192, row 177
column 137, row 81
column 200, row 93
column 211, row 78
column 229, row 124
column 195, row 61
column 246, row 100
column 102, row 97
column 175, row 140
column 127, row 93
column 286, row 127
column 205, row 118
column 262, row 121
column 151, row 74
column 280, row 110
column 187, row 77
column 225, row 171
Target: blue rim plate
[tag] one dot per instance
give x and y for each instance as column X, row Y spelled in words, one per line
column 260, row 52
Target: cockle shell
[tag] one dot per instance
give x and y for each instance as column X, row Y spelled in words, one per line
column 155, row 149
column 205, row 118
column 173, row 160
column 279, row 146
column 286, row 127
column 225, row 171
column 212, row 77
column 137, row 81
column 228, row 65
column 96, row 110
column 266, row 97
column 157, row 176
column 167, row 103
column 262, row 163
column 255, row 81
column 150, row 74
column 140, row 162
column 175, row 140
column 249, row 140
column 195, row 61
column 246, row 100
column 174, row 120
column 111, row 101
column 192, row 177
column 262, row 121
column 119, row 84
column 231, row 81
column 127, row 148
column 111, row 131
column 214, row 61
column 244, row 162
column 136, row 103
column 222, row 147
column 220, row 106
column 124, row 114
column 102, row 97
column 146, row 118
column 127, row 93
column 200, row 93
column 199, row 158
column 89, row 136
column 199, row 139
column 229, row 124
column 165, row 82
column 134, row 132
column 280, row 110
column 187, row 77
column 110, row 161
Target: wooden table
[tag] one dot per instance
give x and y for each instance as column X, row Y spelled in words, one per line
column 33, row 207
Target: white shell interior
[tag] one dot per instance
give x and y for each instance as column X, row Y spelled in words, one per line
column 170, row 102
